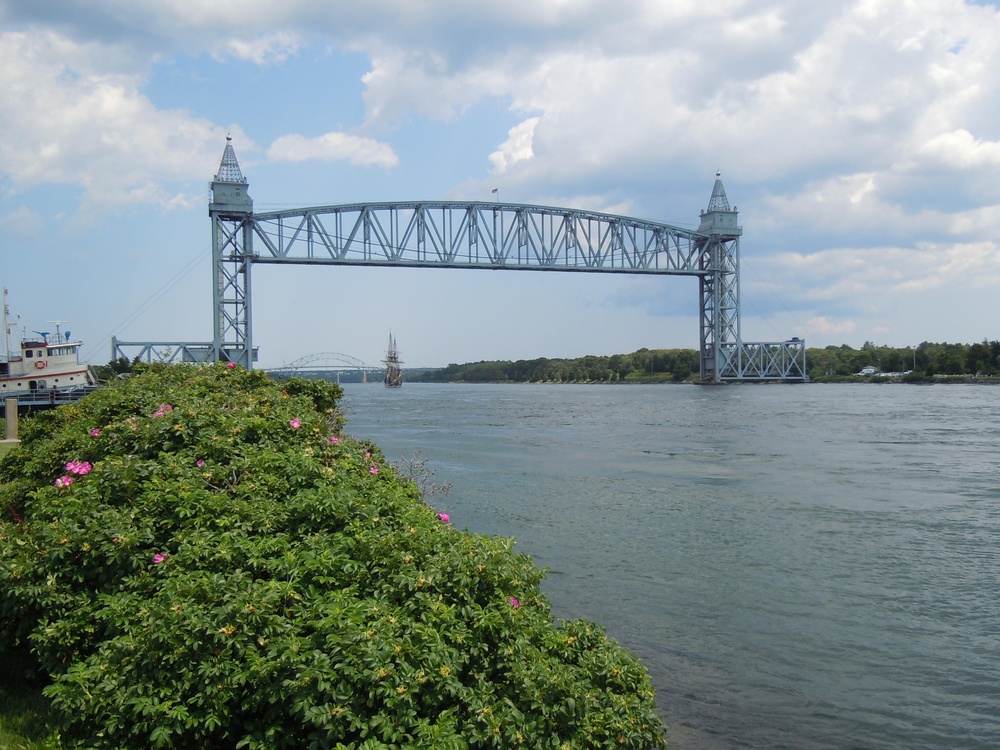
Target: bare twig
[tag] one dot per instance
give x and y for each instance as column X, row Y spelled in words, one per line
column 416, row 470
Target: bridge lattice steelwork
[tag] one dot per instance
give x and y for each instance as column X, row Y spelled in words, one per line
column 495, row 236
column 325, row 361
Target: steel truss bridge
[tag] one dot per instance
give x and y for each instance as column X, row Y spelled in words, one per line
column 494, row 236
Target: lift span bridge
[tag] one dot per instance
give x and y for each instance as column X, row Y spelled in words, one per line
column 495, row 236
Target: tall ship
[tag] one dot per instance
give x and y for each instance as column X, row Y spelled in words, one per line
column 393, row 365
column 46, row 367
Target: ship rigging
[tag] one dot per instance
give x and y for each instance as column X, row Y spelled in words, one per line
column 393, row 365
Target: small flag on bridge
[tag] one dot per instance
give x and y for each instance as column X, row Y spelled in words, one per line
column 495, row 189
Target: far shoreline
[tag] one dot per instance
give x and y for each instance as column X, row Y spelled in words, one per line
column 936, row 380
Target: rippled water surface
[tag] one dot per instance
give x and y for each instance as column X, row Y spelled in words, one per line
column 807, row 566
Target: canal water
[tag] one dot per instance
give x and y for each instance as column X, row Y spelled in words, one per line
column 799, row 566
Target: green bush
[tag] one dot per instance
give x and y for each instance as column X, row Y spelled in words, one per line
column 199, row 559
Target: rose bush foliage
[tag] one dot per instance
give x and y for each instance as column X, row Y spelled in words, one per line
column 227, row 570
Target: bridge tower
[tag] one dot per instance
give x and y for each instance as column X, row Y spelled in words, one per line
column 719, row 284
column 231, row 212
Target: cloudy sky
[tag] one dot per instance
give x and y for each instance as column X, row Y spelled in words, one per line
column 860, row 142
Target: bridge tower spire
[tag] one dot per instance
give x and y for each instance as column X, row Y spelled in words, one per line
column 719, row 286
column 231, row 212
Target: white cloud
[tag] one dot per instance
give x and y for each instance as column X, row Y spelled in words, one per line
column 356, row 150
column 763, row 89
column 975, row 222
column 263, row 50
column 404, row 83
column 961, row 149
column 68, row 119
column 854, row 275
column 867, row 202
column 822, row 325
column 516, row 148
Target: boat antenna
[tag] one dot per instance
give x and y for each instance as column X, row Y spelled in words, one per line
column 57, row 323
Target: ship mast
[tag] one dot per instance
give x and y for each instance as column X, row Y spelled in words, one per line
column 6, row 328
column 393, row 367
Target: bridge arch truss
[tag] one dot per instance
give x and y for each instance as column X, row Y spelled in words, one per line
column 324, row 361
column 450, row 234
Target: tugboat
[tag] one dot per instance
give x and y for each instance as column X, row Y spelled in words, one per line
column 393, row 366
column 46, row 370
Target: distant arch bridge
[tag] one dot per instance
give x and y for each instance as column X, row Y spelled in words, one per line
column 496, row 236
column 327, row 362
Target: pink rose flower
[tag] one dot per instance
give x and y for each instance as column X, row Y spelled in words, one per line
column 160, row 557
column 514, row 602
column 295, row 423
column 373, row 469
column 95, row 432
column 444, row 517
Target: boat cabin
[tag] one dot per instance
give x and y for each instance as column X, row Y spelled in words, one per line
column 43, row 364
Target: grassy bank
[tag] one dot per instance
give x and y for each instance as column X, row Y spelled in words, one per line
column 26, row 718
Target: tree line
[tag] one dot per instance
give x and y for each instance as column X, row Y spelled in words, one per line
column 927, row 360
column 677, row 365
column 642, row 366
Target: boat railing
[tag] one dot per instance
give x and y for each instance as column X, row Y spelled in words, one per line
column 51, row 396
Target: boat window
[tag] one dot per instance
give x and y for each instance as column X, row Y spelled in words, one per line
column 28, row 353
